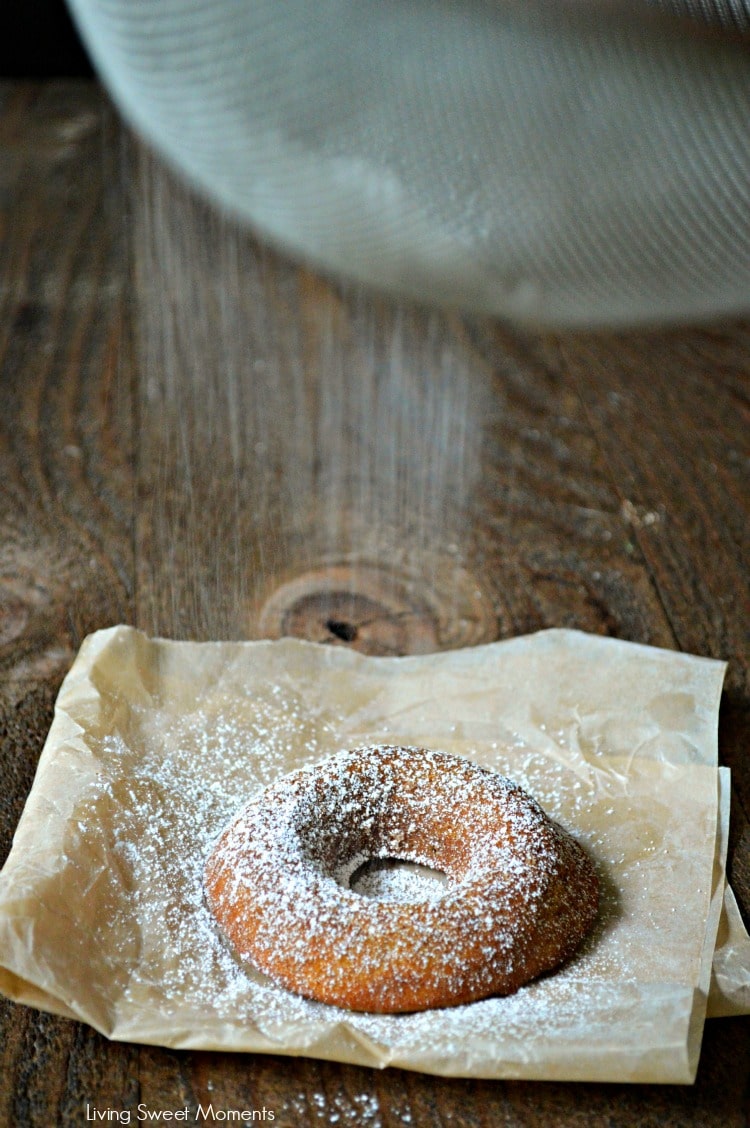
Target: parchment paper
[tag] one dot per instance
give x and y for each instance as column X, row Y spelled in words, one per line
column 155, row 744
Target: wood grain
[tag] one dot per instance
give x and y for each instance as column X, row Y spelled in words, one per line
column 66, row 556
column 65, row 432
column 671, row 413
column 156, row 472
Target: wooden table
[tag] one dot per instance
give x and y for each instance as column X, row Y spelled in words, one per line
column 186, row 443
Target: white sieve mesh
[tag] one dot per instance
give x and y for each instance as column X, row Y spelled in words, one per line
column 568, row 163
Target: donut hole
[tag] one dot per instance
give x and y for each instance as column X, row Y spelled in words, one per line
column 394, row 879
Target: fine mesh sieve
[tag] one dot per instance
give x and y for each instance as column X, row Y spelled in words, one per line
column 571, row 162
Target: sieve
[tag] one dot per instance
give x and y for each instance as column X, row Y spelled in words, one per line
column 582, row 162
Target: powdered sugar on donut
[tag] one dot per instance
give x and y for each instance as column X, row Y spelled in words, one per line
column 520, row 894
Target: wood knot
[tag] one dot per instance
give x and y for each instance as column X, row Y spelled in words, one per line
column 376, row 610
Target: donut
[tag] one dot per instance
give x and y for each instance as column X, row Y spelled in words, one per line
column 520, row 897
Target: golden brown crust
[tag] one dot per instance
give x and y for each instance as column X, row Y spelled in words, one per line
column 521, row 898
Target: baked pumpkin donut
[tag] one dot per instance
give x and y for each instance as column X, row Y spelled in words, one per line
column 521, row 896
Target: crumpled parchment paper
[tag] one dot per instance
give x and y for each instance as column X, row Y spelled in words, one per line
column 155, row 744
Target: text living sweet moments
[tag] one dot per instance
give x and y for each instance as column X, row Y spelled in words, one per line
column 201, row 1114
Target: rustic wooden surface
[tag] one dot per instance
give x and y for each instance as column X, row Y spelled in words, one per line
column 606, row 489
